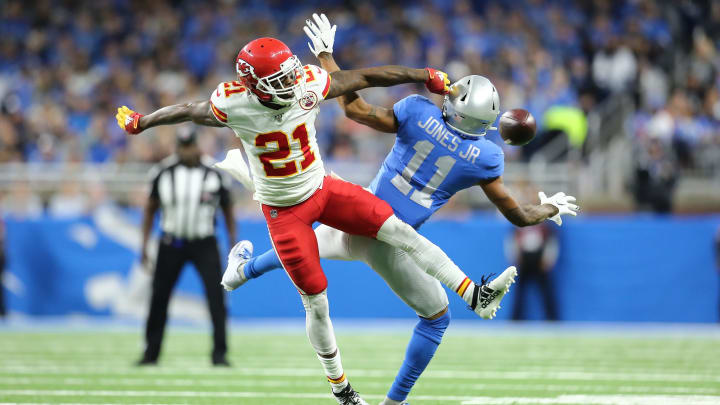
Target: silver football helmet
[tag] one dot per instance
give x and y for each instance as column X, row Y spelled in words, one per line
column 472, row 106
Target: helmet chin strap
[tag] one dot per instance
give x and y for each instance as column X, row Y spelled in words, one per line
column 280, row 101
column 272, row 99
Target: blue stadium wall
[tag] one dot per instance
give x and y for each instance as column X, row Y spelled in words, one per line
column 610, row 268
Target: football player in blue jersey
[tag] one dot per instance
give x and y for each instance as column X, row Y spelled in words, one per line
column 437, row 153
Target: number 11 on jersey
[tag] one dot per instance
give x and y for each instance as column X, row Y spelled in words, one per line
column 443, row 165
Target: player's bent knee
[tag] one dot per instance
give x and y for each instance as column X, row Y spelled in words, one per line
column 437, row 314
column 428, row 306
column 397, row 233
column 316, row 305
column 393, row 225
column 313, row 284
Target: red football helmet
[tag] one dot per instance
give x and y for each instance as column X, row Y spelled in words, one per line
column 269, row 69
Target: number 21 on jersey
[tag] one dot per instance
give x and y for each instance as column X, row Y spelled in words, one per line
column 283, row 151
column 443, row 165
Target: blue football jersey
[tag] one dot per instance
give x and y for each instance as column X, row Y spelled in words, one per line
column 429, row 162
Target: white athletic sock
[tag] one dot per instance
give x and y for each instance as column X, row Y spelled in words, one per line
column 334, row 371
column 322, row 338
column 426, row 255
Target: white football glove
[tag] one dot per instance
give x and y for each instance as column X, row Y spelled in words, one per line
column 320, row 33
column 564, row 204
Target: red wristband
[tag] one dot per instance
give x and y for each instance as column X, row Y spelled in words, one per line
column 133, row 126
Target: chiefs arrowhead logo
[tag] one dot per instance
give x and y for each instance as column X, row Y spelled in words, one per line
column 244, row 68
column 308, row 100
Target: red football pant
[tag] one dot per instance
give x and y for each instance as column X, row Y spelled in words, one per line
column 338, row 204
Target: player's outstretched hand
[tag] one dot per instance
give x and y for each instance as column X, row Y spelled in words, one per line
column 564, row 204
column 321, row 34
column 437, row 81
column 128, row 120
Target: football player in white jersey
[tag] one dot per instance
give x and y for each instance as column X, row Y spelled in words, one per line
column 272, row 108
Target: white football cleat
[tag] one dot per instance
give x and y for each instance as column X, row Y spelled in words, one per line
column 485, row 298
column 234, row 275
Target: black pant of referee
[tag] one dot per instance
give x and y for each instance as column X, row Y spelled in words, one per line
column 187, row 191
column 173, row 254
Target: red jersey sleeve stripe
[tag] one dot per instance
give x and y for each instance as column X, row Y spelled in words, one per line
column 327, row 86
column 221, row 116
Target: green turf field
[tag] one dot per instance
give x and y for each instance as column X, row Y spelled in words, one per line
column 507, row 366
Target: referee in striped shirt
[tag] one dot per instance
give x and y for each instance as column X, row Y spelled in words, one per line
column 187, row 191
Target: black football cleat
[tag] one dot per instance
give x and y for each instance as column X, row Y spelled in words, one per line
column 220, row 362
column 146, row 362
column 348, row 396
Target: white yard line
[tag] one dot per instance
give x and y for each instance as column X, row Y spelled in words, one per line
column 187, row 394
column 465, row 400
column 700, row 361
column 225, row 382
column 435, row 374
column 564, row 353
column 459, row 368
column 694, row 362
column 698, row 364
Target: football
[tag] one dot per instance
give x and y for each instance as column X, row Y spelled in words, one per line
column 517, row 127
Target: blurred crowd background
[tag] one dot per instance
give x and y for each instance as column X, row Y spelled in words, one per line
column 626, row 93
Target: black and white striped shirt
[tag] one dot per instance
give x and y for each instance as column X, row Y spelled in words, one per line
column 189, row 197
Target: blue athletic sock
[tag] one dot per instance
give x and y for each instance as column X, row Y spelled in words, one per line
column 423, row 344
column 259, row 265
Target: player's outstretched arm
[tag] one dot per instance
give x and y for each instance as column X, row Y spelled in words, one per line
column 198, row 112
column 346, row 81
column 528, row 214
column 357, row 109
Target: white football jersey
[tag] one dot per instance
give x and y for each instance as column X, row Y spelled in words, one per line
column 281, row 145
